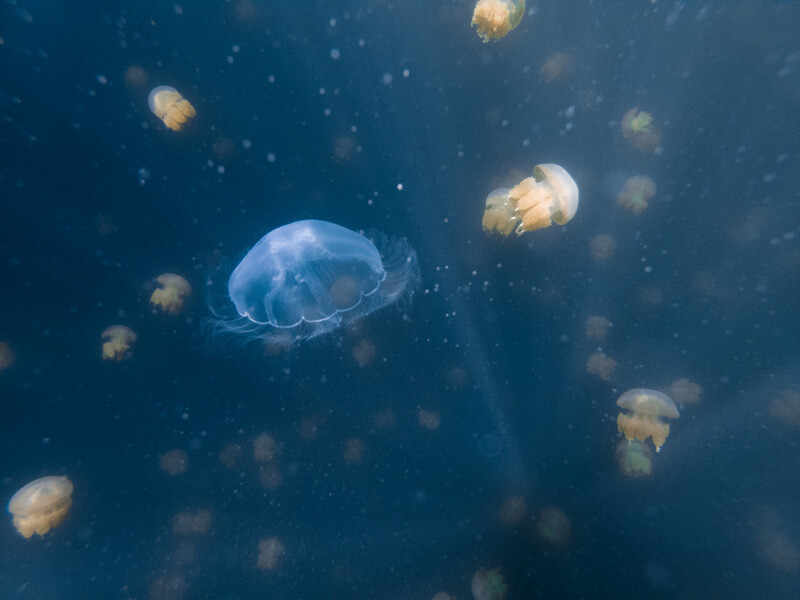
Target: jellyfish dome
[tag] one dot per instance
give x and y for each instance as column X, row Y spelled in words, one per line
column 310, row 277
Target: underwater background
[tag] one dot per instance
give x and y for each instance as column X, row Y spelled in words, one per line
column 456, row 432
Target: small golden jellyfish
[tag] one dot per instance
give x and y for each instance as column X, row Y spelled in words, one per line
column 499, row 215
column 684, row 391
column 602, row 247
column 637, row 191
column 168, row 105
column 270, row 552
column 489, row 585
column 495, row 18
column 117, row 340
column 264, row 447
column 186, row 523
column 638, row 128
column 634, row 458
column 41, row 505
column 550, row 196
column 553, row 525
column 429, row 419
column 513, row 510
column 174, row 462
column 647, row 408
column 170, row 296
column 597, row 328
column 7, row 358
column 556, row 66
column 786, row 408
column 601, row 366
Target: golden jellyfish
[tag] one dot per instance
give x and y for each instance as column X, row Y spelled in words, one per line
column 270, row 552
column 41, row 505
column 597, row 328
column 637, row 191
column 684, row 391
column 7, row 358
column 499, row 214
column 174, row 462
column 169, row 297
column 638, row 128
column 601, row 366
column 634, row 458
column 553, row 525
column 117, row 340
column 602, row 247
column 646, row 409
column 495, row 18
column 556, row 66
column 168, row 105
column 489, row 585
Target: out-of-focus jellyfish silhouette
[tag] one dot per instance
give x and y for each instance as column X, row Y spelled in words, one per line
column 639, row 130
column 443, row 596
column 637, row 191
column 556, row 66
column 774, row 544
column 168, row 105
column 308, row 278
column 489, row 585
column 786, row 408
column 513, row 510
column 264, row 447
column 7, row 358
column 117, row 340
column 174, row 462
column 364, row 353
column 171, row 586
column 428, row 419
column 353, row 451
column 344, row 149
column 187, row 522
column 634, row 458
column 135, row 77
column 230, row 455
column 270, row 552
column 270, row 476
column 553, row 526
column 41, row 505
column 170, row 296
column 550, row 196
column 684, row 391
column 601, row 366
column 602, row 247
column 495, row 18
column 647, row 409
column 597, row 328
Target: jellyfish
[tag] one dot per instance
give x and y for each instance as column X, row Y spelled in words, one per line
column 170, row 296
column 168, row 105
column 602, row 247
column 637, row 191
column 684, row 391
column 557, row 65
column 513, row 510
column 647, row 407
column 553, row 525
column 428, row 419
column 597, row 328
column 786, row 407
column 495, row 18
column 174, row 462
column 499, row 215
column 634, row 458
column 601, row 366
column 117, row 340
column 264, row 447
column 41, row 505
column 270, row 552
column 489, row 585
column 7, row 358
column 188, row 522
column 309, row 278
column 638, row 128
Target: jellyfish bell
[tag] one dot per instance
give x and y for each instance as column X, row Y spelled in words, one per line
column 637, row 191
column 170, row 294
column 638, row 128
column 167, row 104
column 117, row 341
column 550, row 196
column 493, row 19
column 646, row 409
column 41, row 505
column 311, row 277
column 489, row 585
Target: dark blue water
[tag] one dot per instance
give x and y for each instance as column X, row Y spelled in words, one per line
column 406, row 132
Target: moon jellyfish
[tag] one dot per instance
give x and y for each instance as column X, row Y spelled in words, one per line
column 309, row 278
column 41, row 505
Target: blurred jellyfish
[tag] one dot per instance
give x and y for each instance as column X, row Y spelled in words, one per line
column 553, row 526
column 117, row 340
column 270, row 476
column 601, row 366
column 174, row 462
column 489, row 585
column 556, row 66
column 634, row 458
column 684, row 391
column 168, row 105
column 170, row 296
column 264, row 447
column 602, row 247
column 513, row 510
column 353, row 451
column 7, row 358
column 187, row 522
column 309, row 278
column 786, row 408
column 171, row 586
column 638, row 128
column 774, row 544
column 637, row 191
column 230, row 455
column 364, row 353
column 135, row 77
column 443, row 596
column 41, row 505
column 495, row 18
column 499, row 214
column 597, row 328
column 270, row 552
column 428, row 419
column 344, row 149
column 647, row 408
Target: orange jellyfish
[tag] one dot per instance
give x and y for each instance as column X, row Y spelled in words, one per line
column 41, row 505
column 637, row 191
column 270, row 552
column 495, row 18
column 117, row 340
column 597, row 328
column 499, row 214
column 634, row 458
column 647, row 408
column 264, row 447
column 601, row 366
column 168, row 105
column 489, row 585
column 638, row 128
column 551, row 195
column 7, row 358
column 684, row 391
column 174, row 462
column 557, row 65
column 170, row 296
column 429, row 419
